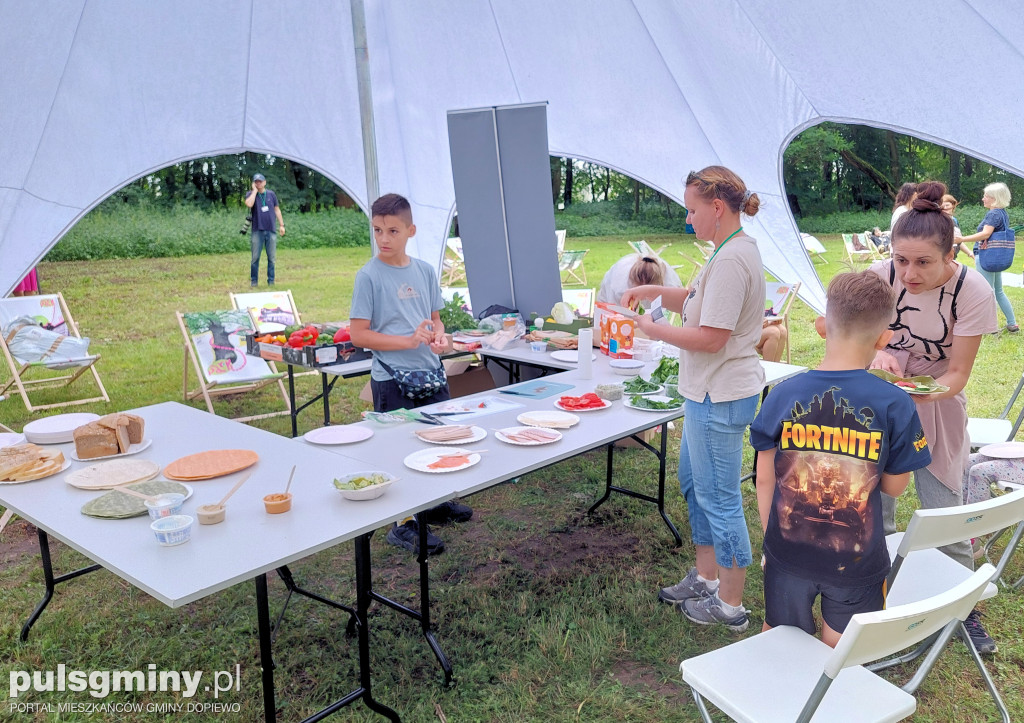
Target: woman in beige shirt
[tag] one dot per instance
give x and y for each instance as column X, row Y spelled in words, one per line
column 720, row 377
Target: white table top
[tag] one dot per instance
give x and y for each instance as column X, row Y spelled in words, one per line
column 249, row 541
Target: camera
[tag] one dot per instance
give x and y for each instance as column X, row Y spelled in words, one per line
column 246, row 225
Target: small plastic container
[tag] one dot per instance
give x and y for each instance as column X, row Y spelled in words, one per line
column 173, row 530
column 610, row 392
column 210, row 514
column 538, row 346
column 166, row 505
column 277, row 503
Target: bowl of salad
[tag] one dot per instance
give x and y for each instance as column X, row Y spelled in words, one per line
column 363, row 485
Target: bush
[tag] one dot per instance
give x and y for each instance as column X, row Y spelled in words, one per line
column 968, row 216
column 616, row 217
column 145, row 231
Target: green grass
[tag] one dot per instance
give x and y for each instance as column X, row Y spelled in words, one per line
column 547, row 614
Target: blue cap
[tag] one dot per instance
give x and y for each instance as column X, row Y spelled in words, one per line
column 259, row 177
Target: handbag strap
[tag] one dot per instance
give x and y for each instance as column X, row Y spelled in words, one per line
column 391, row 371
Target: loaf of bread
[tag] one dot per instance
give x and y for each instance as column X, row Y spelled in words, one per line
column 108, row 435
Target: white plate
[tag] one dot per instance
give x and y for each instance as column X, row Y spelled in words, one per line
column 1003, row 450
column 500, row 434
column 9, row 439
column 659, row 390
column 341, row 434
column 626, row 367
column 132, row 449
column 57, row 429
column 562, row 420
column 558, row 403
column 478, row 433
column 419, row 461
column 67, row 463
column 569, row 355
column 653, row 398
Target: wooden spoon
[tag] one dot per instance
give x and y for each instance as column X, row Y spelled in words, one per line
column 133, row 493
column 290, row 478
column 234, row 489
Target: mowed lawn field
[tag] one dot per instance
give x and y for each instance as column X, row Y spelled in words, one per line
column 547, row 614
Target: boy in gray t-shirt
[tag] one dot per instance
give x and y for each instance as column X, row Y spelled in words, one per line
column 396, row 312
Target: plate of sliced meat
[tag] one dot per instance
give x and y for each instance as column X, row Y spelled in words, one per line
column 527, row 436
column 452, row 434
column 441, row 460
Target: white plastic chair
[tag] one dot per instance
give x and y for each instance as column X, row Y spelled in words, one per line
column 785, row 674
column 920, row 569
column 987, row 430
column 1011, row 546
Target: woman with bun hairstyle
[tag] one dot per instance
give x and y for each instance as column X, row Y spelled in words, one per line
column 720, row 379
column 942, row 311
column 635, row 270
column 995, row 198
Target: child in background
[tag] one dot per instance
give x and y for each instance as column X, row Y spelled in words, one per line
column 395, row 312
column 829, row 441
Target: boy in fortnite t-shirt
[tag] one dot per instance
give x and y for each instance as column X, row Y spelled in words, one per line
column 829, row 441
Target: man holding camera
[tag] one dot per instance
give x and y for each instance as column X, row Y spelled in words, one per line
column 264, row 208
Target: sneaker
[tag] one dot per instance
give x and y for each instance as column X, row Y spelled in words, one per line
column 1012, row 328
column 688, row 588
column 407, row 535
column 252, row 284
column 983, row 643
column 708, row 611
column 447, row 512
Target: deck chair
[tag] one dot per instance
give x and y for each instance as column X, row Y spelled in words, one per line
column 697, row 266
column 454, row 263
column 859, row 248
column 814, row 247
column 982, row 430
column 779, row 297
column 271, row 311
column 560, row 241
column 53, row 313
column 215, row 347
column 920, row 569
column 705, row 250
column 784, row 674
column 570, row 265
column 581, row 301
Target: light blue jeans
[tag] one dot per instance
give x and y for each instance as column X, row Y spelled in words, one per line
column 995, row 280
column 257, row 242
column 710, row 458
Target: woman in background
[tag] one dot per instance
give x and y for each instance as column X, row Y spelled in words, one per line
column 635, row 270
column 996, row 198
column 904, row 197
column 949, row 204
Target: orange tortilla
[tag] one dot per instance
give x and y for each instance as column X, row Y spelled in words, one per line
column 206, row 465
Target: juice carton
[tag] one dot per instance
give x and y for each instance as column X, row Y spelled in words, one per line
column 620, row 337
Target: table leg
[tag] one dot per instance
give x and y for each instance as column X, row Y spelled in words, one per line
column 326, row 392
column 266, row 654
column 49, row 580
column 291, row 401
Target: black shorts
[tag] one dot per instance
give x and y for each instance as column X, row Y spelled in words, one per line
column 789, row 599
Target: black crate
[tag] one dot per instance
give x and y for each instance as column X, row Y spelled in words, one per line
column 311, row 356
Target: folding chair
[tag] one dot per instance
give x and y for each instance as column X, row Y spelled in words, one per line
column 784, row 674
column 53, row 310
column 271, row 311
column 454, row 263
column 814, row 247
column 571, row 262
column 779, row 296
column 859, row 249
column 560, row 241
column 220, row 363
column 920, row 569
column 982, row 431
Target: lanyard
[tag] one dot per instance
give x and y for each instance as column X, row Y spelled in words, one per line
column 264, row 203
column 723, row 244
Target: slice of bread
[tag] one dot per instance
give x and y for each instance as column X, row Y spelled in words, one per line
column 95, row 440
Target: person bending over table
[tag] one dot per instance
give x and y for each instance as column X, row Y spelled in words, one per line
column 395, row 312
column 942, row 310
column 720, row 378
column 635, row 270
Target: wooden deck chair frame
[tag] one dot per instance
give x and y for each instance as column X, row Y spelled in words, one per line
column 697, row 266
column 919, row 567
column 705, row 250
column 783, row 313
column 755, row 679
column 814, row 253
column 210, row 390
column 295, row 313
column 570, row 262
column 454, row 261
column 25, row 386
column 560, row 241
column 853, row 255
column 881, row 255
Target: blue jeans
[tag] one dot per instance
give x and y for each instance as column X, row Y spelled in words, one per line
column 710, row 458
column 259, row 240
column 995, row 280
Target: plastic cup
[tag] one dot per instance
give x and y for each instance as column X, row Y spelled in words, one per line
column 538, row 346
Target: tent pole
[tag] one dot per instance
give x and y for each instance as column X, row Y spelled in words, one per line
column 365, row 107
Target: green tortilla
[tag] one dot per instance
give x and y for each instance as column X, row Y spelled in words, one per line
column 117, row 506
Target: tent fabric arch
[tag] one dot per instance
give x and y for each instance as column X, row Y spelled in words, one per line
column 98, row 91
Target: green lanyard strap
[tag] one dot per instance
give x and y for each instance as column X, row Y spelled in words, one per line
column 724, row 243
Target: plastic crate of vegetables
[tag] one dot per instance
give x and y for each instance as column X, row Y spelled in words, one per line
column 311, row 345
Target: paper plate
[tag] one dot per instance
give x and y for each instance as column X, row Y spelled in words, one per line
column 558, row 403
column 475, row 435
column 117, row 506
column 57, row 429
column 421, row 461
column 660, row 389
column 561, row 420
column 654, row 398
column 9, row 439
column 928, row 384
column 64, row 466
column 568, row 355
column 341, row 434
column 113, row 473
column 503, row 435
column 1003, row 450
column 132, row 449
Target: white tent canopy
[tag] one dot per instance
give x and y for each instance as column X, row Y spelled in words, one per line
column 97, row 93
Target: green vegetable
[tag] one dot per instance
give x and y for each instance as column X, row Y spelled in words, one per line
column 454, row 315
column 325, row 339
column 667, row 367
column 638, row 385
column 638, row 400
column 289, row 330
column 358, row 483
